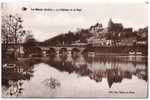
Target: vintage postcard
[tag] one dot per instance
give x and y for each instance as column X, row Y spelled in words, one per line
column 74, row 49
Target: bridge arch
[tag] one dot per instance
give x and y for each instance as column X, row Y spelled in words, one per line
column 75, row 50
column 82, row 50
column 35, row 51
column 63, row 50
column 52, row 51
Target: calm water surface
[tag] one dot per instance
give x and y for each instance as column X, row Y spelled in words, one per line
column 79, row 76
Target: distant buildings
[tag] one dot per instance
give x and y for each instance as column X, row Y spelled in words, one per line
column 127, row 41
column 142, row 32
column 115, row 27
column 116, row 35
column 96, row 29
column 128, row 30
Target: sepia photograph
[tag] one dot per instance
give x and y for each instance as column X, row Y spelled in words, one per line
column 74, row 49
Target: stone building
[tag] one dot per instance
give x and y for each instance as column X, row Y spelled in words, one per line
column 115, row 27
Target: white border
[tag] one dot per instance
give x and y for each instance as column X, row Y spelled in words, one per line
column 123, row 1
column 75, row 1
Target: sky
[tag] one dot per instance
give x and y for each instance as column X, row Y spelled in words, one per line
column 47, row 24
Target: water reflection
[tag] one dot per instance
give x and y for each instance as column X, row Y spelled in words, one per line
column 115, row 69
column 14, row 73
column 15, row 88
column 112, row 69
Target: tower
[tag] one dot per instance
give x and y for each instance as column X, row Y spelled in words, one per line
column 110, row 24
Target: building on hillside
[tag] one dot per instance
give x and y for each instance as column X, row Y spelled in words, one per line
column 143, row 32
column 100, row 41
column 141, row 43
column 115, row 27
column 96, row 29
column 128, row 30
column 131, row 41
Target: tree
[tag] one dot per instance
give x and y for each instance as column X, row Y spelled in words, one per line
column 29, row 44
column 12, row 33
column 30, row 40
column 12, row 29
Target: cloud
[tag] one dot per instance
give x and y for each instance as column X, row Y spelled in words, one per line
column 45, row 26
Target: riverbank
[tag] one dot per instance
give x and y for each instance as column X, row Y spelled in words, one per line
column 118, row 50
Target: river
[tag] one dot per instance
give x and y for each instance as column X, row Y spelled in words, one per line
column 100, row 76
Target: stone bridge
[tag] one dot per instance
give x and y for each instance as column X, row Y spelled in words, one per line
column 69, row 50
column 48, row 50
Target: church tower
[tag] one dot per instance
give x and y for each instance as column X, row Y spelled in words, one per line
column 110, row 24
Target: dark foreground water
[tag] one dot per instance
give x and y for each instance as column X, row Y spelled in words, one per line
column 101, row 76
